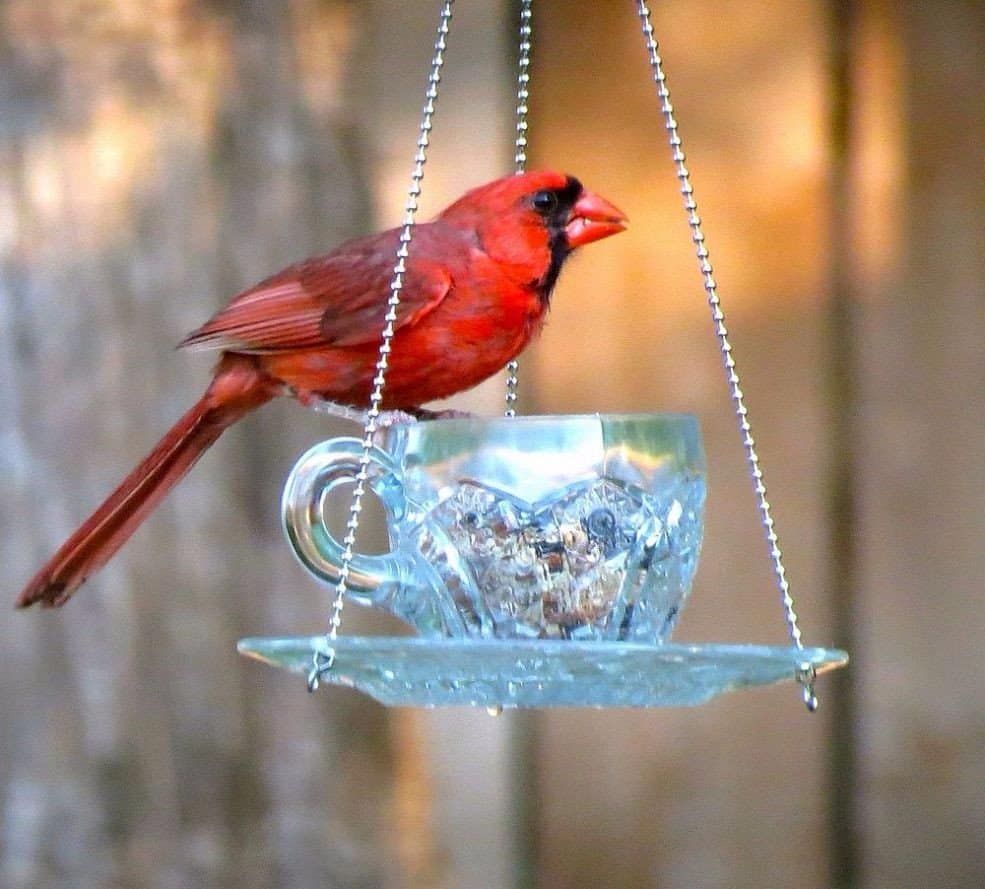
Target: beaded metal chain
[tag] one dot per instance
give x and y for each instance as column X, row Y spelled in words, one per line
column 520, row 157
column 323, row 662
column 806, row 673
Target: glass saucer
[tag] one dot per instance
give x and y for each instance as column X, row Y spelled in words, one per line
column 418, row 672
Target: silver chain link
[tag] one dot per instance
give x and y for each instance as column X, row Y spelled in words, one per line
column 520, row 158
column 321, row 662
column 806, row 673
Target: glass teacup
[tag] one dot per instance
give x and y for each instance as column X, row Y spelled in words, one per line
column 570, row 527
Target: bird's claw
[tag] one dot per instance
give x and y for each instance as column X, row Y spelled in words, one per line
column 384, row 419
column 394, row 418
column 356, row 415
column 422, row 414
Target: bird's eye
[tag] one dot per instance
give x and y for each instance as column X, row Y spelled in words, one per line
column 544, row 201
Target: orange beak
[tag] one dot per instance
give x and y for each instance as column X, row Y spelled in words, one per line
column 593, row 218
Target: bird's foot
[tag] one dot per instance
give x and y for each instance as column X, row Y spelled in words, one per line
column 356, row 415
column 320, row 405
column 394, row 418
column 386, row 418
column 421, row 414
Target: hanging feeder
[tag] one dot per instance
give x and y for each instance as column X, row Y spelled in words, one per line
column 543, row 561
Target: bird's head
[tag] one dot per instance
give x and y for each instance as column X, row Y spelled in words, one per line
column 533, row 221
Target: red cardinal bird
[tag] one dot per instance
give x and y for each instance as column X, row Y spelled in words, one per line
column 477, row 289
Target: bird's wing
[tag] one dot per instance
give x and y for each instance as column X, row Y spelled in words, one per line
column 335, row 300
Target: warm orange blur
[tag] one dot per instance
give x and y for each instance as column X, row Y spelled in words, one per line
column 155, row 157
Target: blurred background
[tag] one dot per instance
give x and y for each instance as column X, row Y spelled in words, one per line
column 156, row 157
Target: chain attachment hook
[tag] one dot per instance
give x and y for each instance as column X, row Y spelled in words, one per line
column 321, row 663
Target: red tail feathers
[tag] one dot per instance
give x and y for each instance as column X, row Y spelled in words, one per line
column 111, row 525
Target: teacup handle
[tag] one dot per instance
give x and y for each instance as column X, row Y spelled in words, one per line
column 321, row 469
